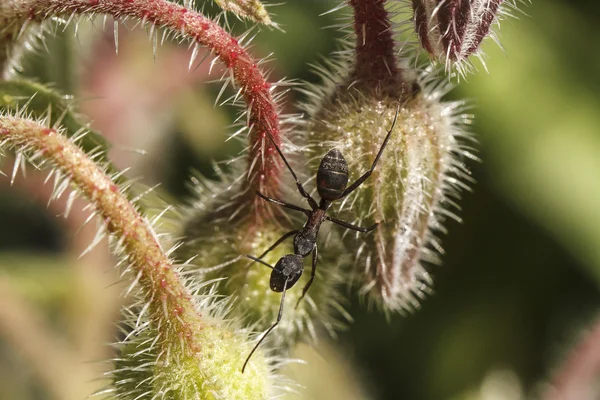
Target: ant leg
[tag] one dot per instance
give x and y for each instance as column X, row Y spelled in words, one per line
column 277, row 243
column 238, row 258
column 313, row 204
column 219, row 266
column 258, row 260
column 312, row 275
column 283, row 204
column 350, row 226
column 364, row 177
column 271, row 328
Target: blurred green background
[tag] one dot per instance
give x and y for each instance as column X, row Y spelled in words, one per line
column 521, row 275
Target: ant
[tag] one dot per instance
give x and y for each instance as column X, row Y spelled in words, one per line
column 332, row 179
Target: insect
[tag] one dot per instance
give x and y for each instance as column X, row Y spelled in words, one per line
column 332, row 180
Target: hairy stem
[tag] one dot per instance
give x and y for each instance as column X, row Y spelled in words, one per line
column 375, row 63
column 171, row 308
column 264, row 167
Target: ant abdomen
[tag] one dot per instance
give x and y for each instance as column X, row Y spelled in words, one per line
column 289, row 268
column 332, row 176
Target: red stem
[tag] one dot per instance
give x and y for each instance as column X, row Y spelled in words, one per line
column 375, row 64
column 263, row 162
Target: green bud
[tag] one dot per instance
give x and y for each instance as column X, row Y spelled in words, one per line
column 219, row 244
column 410, row 189
column 211, row 372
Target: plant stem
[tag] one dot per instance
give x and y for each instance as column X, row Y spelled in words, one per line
column 375, row 63
column 264, row 166
column 171, row 307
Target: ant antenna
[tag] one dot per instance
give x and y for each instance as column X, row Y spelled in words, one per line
column 277, row 243
column 272, row 326
column 258, row 260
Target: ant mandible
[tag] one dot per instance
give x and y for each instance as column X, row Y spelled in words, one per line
column 332, row 178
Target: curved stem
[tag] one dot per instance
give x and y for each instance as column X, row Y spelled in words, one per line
column 171, row 307
column 264, row 167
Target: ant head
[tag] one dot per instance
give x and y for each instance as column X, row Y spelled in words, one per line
column 332, row 176
column 304, row 244
column 290, row 268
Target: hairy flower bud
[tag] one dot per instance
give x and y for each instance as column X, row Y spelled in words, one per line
column 142, row 371
column 219, row 237
column 408, row 192
column 452, row 30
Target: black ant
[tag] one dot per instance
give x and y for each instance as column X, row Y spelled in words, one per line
column 332, row 178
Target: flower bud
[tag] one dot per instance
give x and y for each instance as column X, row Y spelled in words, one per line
column 219, row 242
column 452, row 30
column 408, row 192
column 214, row 371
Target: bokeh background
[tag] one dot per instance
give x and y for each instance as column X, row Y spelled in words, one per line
column 520, row 281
